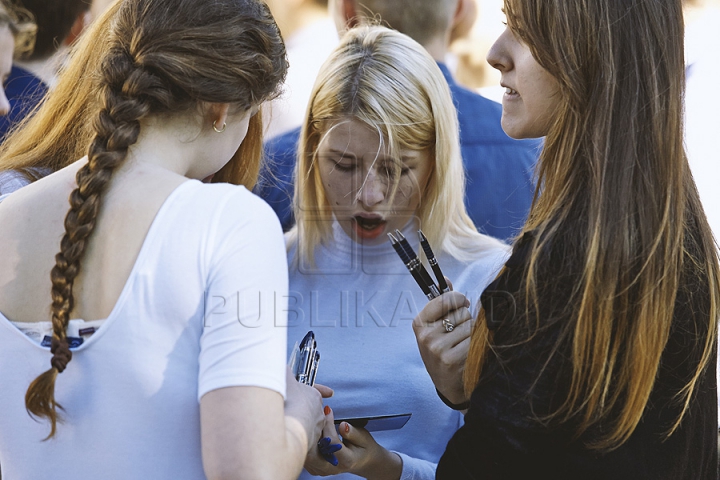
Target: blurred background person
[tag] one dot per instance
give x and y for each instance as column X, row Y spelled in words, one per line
column 97, row 7
column 309, row 36
column 499, row 170
column 58, row 24
column 17, row 36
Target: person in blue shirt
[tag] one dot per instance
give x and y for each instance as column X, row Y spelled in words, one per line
column 17, row 34
column 58, row 24
column 499, row 170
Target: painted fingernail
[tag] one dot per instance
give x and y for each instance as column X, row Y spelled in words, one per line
column 327, row 410
column 347, row 427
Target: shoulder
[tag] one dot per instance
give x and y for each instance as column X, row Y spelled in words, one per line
column 22, row 82
column 222, row 208
column 233, row 202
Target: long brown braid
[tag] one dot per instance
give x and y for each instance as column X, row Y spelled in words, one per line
column 166, row 56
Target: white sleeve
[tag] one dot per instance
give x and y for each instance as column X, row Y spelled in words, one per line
column 416, row 469
column 242, row 343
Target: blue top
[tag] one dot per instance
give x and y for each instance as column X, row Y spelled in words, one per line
column 499, row 169
column 360, row 301
column 24, row 91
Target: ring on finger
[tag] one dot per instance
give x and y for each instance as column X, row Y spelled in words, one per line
column 449, row 327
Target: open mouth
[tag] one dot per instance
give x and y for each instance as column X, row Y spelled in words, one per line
column 368, row 227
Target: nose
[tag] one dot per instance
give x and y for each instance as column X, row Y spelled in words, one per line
column 497, row 56
column 373, row 189
column 4, row 103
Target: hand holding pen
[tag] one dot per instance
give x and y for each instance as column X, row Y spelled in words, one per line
column 418, row 270
column 443, row 351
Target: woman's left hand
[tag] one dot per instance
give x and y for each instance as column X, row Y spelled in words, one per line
column 360, row 454
column 445, row 352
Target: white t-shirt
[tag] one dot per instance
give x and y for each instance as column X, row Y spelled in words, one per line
column 197, row 313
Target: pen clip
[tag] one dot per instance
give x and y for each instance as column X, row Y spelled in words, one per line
column 441, row 283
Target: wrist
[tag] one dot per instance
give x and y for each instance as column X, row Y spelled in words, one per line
column 296, row 433
column 386, row 465
column 456, row 402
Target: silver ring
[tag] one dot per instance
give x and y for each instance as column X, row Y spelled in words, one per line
column 449, row 327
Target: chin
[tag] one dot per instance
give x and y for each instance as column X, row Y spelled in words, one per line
column 519, row 133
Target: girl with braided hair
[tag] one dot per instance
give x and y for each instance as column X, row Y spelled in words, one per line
column 165, row 289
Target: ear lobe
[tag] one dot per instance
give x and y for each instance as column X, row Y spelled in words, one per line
column 218, row 113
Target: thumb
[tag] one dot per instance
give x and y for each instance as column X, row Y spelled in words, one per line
column 326, row 392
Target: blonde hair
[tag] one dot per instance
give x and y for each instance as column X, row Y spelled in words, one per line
column 618, row 206
column 60, row 131
column 388, row 81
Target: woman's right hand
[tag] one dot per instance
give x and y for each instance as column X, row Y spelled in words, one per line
column 304, row 405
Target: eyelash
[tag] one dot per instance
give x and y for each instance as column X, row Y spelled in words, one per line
column 344, row 168
column 348, row 168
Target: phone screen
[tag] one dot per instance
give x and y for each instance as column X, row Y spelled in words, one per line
column 378, row 423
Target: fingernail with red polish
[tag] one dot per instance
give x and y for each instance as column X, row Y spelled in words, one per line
column 327, row 410
column 347, row 427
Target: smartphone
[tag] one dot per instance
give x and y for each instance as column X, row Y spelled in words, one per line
column 378, row 423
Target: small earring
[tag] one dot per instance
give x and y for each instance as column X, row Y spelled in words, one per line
column 216, row 129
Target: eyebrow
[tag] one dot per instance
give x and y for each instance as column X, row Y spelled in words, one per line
column 407, row 160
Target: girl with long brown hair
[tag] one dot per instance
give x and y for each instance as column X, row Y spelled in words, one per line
column 164, row 358
column 594, row 355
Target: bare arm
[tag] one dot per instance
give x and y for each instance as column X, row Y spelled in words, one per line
column 247, row 433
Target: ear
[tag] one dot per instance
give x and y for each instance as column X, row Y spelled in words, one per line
column 463, row 19
column 218, row 113
column 350, row 13
column 82, row 21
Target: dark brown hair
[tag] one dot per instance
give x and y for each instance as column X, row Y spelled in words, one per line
column 161, row 57
column 619, row 199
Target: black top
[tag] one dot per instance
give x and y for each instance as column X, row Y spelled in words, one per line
column 502, row 437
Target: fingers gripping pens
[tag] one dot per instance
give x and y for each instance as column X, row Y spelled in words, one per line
column 304, row 365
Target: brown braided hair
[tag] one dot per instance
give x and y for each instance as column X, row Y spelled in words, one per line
column 163, row 57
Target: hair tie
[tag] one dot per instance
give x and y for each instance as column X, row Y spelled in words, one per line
column 61, row 354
